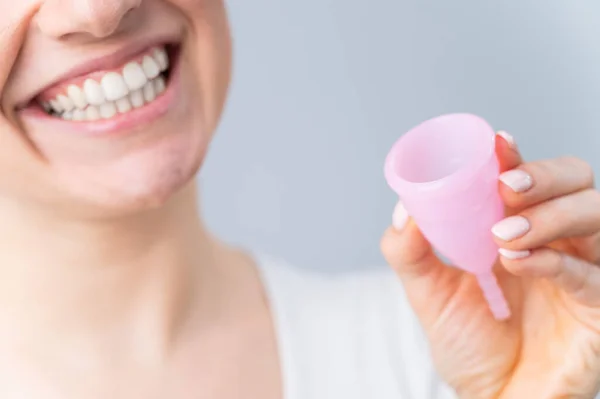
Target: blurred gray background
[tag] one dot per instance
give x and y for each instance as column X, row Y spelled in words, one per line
column 322, row 88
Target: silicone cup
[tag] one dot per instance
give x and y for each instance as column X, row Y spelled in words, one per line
column 445, row 171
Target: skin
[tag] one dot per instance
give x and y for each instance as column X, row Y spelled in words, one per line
column 125, row 295
column 550, row 347
column 112, row 287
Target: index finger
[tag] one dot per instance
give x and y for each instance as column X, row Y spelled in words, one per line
column 507, row 152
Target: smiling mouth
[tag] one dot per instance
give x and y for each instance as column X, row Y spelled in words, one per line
column 108, row 94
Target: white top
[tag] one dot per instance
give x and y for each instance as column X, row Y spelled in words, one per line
column 349, row 336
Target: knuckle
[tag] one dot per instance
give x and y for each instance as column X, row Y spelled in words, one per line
column 556, row 264
column 541, row 173
column 583, row 169
column 594, row 248
column 559, row 216
column 594, row 199
column 516, row 267
column 538, row 168
column 406, row 252
column 548, row 221
column 389, row 246
column 578, row 271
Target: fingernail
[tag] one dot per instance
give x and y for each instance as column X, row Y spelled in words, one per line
column 513, row 255
column 509, row 139
column 510, row 228
column 518, row 180
column 400, row 217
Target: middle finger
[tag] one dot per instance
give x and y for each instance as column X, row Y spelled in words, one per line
column 535, row 182
column 564, row 217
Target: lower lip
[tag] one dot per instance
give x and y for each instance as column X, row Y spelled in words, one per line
column 120, row 124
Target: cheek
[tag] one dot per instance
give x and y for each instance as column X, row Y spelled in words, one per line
column 215, row 73
column 211, row 50
column 22, row 168
column 196, row 6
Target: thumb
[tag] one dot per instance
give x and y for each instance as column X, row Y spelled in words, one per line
column 406, row 249
column 428, row 282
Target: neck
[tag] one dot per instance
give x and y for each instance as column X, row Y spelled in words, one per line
column 91, row 279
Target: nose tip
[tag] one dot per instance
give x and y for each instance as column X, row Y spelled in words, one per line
column 96, row 18
column 105, row 23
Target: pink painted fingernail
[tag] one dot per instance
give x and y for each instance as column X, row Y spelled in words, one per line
column 518, row 180
column 510, row 228
column 509, row 139
column 513, row 255
column 400, row 217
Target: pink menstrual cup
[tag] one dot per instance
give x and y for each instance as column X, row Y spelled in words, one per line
column 445, row 171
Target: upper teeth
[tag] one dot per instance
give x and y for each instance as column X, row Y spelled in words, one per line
column 116, row 92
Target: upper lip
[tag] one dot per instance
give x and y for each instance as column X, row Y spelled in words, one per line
column 109, row 61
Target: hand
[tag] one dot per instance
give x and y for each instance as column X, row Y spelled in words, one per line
column 548, row 269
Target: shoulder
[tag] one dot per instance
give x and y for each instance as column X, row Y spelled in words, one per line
column 352, row 326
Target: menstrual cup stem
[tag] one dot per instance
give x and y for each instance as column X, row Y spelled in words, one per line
column 494, row 296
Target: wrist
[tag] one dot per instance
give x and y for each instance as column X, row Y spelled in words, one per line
column 482, row 396
column 483, row 393
column 540, row 388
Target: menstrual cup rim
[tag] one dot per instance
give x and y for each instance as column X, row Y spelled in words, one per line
column 426, row 189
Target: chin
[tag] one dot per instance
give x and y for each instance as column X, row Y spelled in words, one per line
column 141, row 180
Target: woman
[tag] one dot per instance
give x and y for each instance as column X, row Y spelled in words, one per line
column 112, row 288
